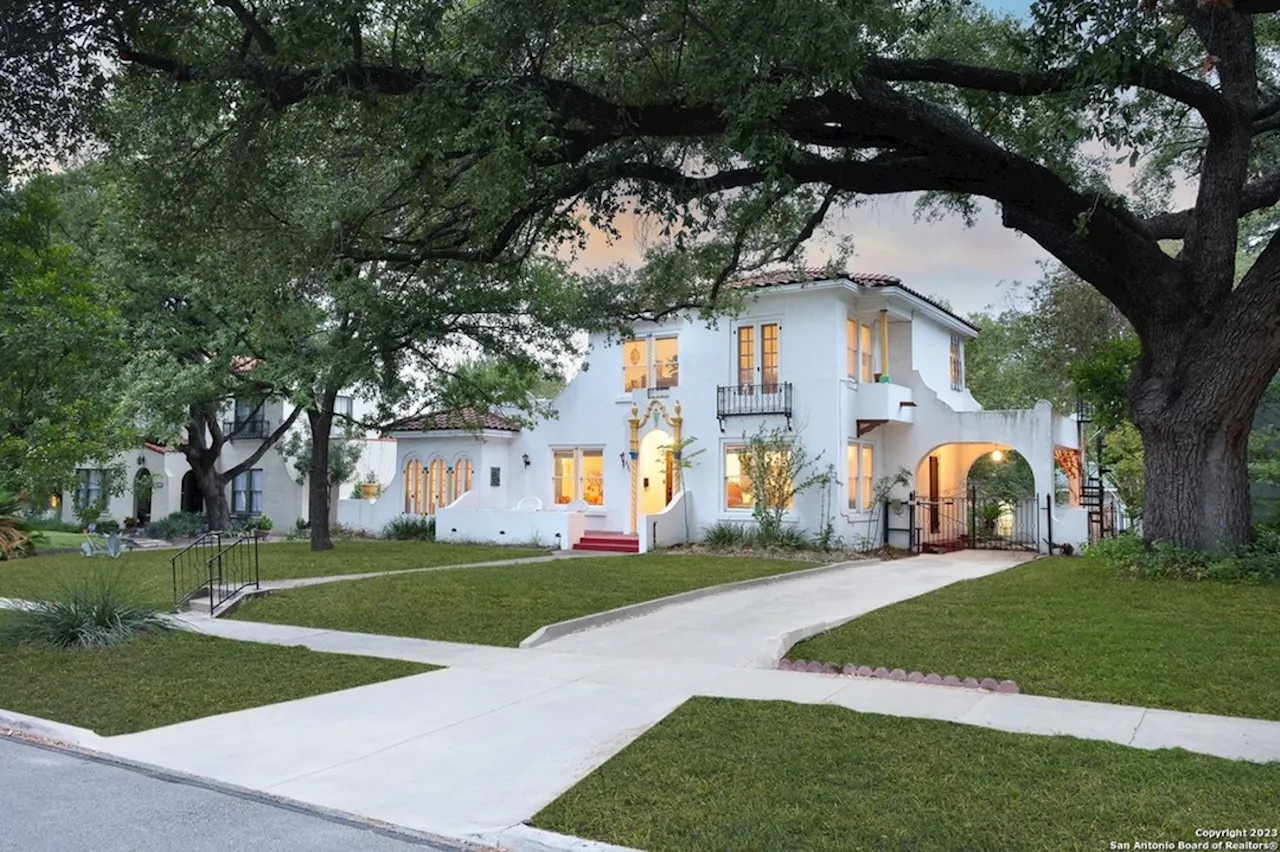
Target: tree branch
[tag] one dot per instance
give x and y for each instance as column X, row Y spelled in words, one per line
column 253, row 458
column 1257, row 195
column 251, row 24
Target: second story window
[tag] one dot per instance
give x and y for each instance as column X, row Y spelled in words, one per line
column 342, row 412
column 758, row 355
column 250, row 420
column 651, row 363
column 859, row 351
column 957, row 363
column 866, row 354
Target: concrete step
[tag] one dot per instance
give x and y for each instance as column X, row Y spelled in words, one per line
column 609, row 543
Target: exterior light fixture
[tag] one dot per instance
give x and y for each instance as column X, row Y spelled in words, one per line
column 997, row 455
column 525, row 458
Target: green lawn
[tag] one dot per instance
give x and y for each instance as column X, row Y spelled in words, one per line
column 735, row 776
column 501, row 605
column 56, row 539
column 1075, row 628
column 173, row 677
column 148, row 575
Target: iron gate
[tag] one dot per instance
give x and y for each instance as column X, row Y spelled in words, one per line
column 973, row 520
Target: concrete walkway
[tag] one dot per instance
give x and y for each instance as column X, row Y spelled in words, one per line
column 486, row 743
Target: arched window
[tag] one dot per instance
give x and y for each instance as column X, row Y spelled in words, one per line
column 436, row 485
column 413, row 487
column 461, row 477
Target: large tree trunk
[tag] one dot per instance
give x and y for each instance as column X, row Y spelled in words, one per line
column 213, row 489
column 318, row 490
column 1194, row 394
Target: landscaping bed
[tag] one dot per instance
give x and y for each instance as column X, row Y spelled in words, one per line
column 722, row 775
column 146, row 574
column 1077, row 628
column 173, row 677
column 501, row 605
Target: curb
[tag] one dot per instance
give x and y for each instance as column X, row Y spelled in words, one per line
column 784, row 643
column 47, row 729
column 526, row 838
column 560, row 629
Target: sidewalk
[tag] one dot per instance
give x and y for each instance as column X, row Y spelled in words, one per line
column 502, row 732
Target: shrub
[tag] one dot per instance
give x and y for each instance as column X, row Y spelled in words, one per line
column 724, row 535
column 786, row 537
column 107, row 527
column 93, row 615
column 53, row 525
column 1260, row 562
column 15, row 531
column 411, row 528
column 177, row 525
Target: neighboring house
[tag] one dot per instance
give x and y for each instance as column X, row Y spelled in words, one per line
column 866, row 372
column 160, row 480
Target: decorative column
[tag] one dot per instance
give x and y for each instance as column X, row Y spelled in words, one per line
column 635, row 454
column 884, row 345
column 676, row 422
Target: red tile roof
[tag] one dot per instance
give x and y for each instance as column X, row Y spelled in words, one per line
column 458, row 418
column 813, row 276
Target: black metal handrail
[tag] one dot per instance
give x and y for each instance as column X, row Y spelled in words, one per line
column 190, row 566
column 740, row 400
column 253, row 427
column 233, row 568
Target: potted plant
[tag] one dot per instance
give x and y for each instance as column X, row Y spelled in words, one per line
column 370, row 488
column 262, row 527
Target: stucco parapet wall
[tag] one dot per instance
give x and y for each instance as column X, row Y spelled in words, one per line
column 574, row 625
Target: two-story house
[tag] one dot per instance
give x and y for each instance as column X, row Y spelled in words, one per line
column 866, row 372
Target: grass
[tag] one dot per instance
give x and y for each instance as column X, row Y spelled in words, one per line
column 501, row 605
column 1075, row 628
column 724, row 775
column 57, row 540
column 148, row 573
column 173, row 677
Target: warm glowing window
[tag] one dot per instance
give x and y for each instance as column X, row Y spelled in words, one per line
column 747, row 355
column 635, row 365
column 860, row 476
column 867, row 355
column 578, row 474
column 413, row 487
column 461, row 478
column 851, row 348
column 651, row 363
column 741, row 491
column 769, row 354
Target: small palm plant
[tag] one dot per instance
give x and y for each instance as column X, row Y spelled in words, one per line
column 91, row 614
column 15, row 534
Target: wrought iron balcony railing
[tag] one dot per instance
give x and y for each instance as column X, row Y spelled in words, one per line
column 256, row 427
column 747, row 400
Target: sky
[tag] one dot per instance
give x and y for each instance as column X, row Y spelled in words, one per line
column 972, row 268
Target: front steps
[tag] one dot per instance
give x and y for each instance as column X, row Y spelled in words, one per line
column 602, row 541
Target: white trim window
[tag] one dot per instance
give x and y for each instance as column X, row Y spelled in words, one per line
column 740, row 491
column 861, row 475
column 343, row 409
column 757, row 353
column 651, row 362
column 860, row 351
column 90, row 487
column 246, row 492
column 577, row 473
column 957, row 363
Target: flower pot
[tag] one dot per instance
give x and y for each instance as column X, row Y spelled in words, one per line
column 369, row 490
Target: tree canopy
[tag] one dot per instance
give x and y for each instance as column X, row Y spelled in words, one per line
column 738, row 128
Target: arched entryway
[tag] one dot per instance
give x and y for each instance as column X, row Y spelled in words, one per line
column 192, row 499
column 656, row 478
column 976, row 495
column 142, row 486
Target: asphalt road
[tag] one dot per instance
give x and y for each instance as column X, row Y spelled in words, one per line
column 59, row 801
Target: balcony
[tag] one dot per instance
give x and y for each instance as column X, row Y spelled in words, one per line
column 243, row 429
column 749, row 400
column 874, row 404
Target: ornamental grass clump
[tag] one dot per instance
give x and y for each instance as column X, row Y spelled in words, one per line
column 93, row 614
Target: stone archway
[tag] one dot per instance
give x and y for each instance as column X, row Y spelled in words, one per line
column 656, row 479
column 976, row 494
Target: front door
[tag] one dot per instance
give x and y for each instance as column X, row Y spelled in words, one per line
column 142, row 496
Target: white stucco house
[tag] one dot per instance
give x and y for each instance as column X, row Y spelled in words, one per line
column 270, row 488
column 866, row 372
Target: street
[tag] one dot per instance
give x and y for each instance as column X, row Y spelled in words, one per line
column 58, row 801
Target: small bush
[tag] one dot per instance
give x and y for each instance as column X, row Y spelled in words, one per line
column 53, row 525
column 1260, row 562
column 787, row 538
column 107, row 527
column 411, row 528
column 93, row 615
column 177, row 525
column 724, row 535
